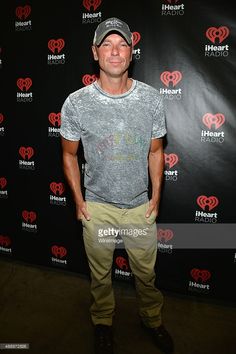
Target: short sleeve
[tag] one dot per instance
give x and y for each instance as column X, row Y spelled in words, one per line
column 159, row 121
column 70, row 127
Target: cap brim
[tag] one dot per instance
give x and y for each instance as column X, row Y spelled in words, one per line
column 99, row 39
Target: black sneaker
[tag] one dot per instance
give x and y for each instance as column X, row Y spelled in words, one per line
column 103, row 339
column 162, row 338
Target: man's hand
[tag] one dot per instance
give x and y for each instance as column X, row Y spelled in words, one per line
column 156, row 168
column 153, row 208
column 72, row 174
column 81, row 211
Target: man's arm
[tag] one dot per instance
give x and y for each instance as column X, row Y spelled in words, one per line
column 156, row 168
column 72, row 174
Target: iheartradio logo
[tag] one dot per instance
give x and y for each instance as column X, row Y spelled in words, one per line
column 217, row 120
column 5, row 241
column 91, row 4
column 26, row 152
column 136, row 37
column 59, row 251
column 22, row 12
column 173, row 77
column 210, row 202
column 3, row 182
column 24, row 84
column 212, row 33
column 172, row 1
column 171, row 160
column 29, row 216
column 57, row 188
column 200, row 274
column 164, row 235
column 89, row 79
column 55, row 119
column 1, row 118
column 56, row 45
column 122, row 263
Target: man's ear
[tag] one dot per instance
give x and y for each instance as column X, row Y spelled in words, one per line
column 132, row 48
column 131, row 54
column 94, row 50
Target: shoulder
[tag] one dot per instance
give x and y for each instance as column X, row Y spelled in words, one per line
column 80, row 94
column 148, row 91
column 77, row 100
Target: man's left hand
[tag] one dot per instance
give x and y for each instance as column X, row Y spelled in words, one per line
column 153, row 208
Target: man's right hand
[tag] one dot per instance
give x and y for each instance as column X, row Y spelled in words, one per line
column 72, row 174
column 81, row 211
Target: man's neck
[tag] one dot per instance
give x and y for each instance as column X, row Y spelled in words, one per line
column 115, row 86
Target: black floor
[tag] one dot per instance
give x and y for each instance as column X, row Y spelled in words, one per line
column 49, row 310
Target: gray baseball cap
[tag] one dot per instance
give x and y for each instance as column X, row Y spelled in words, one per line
column 110, row 25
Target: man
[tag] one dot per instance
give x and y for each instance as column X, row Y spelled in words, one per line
column 120, row 122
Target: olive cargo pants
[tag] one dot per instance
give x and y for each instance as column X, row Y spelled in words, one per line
column 107, row 226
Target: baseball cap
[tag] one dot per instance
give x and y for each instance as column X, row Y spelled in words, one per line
column 110, row 25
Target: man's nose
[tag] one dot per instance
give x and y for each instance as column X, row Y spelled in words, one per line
column 115, row 50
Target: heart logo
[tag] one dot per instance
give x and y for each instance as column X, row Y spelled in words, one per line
column 164, row 235
column 217, row 119
column 24, row 83
column 122, row 263
column 221, row 33
column 22, row 12
column 1, row 118
column 3, row 182
column 167, row 77
column 88, row 4
column 5, row 241
column 55, row 119
column 200, row 274
column 210, row 202
column 88, row 79
column 171, row 159
column 57, row 188
column 136, row 37
column 56, row 44
column 59, row 251
column 26, row 152
column 29, row 216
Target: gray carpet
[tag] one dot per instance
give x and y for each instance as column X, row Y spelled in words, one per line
column 49, row 309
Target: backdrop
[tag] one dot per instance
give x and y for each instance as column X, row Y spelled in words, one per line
column 186, row 50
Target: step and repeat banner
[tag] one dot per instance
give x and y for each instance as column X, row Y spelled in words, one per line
column 186, row 50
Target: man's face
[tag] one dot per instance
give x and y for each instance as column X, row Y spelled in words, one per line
column 114, row 55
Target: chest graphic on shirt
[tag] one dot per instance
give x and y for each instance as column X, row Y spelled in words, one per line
column 116, row 134
column 125, row 146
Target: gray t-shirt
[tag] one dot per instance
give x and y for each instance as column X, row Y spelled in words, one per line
column 116, row 132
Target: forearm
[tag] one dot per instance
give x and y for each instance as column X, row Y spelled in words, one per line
column 73, row 176
column 156, row 169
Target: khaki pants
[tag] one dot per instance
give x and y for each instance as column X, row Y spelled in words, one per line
column 139, row 237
